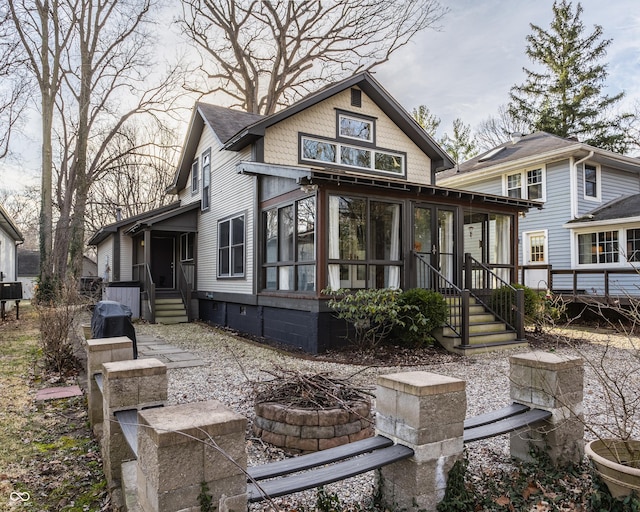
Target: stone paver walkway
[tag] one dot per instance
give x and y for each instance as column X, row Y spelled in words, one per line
column 172, row 356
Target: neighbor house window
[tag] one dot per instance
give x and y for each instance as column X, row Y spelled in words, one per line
column 290, row 246
column 528, row 184
column 591, row 182
column 195, row 177
column 633, row 245
column 206, row 178
column 600, row 247
column 364, row 243
column 231, row 247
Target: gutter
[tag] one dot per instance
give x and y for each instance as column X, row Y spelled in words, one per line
column 573, row 180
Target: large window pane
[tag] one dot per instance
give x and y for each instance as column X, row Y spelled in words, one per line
column 587, row 249
column 514, row 185
column 352, row 228
column 385, row 231
column 318, row 150
column 306, row 278
column 388, row 162
column 285, row 228
column 534, row 184
column 355, row 157
column 271, row 236
column 601, row 247
column 356, row 128
column 306, row 229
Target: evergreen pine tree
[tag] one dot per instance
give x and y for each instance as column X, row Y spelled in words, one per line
column 564, row 95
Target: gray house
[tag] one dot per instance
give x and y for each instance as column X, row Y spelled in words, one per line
column 585, row 241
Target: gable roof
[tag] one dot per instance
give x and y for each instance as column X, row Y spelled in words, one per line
column 535, row 148
column 251, row 127
column 105, row 231
column 9, row 227
column 624, row 207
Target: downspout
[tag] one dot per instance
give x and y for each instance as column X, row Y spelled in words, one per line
column 574, row 185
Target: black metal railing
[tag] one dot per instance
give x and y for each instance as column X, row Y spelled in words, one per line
column 142, row 273
column 186, row 272
column 430, row 278
column 508, row 303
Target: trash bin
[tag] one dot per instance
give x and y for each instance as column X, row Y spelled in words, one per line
column 111, row 319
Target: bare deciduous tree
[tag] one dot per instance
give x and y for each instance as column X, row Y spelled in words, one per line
column 498, row 129
column 265, row 54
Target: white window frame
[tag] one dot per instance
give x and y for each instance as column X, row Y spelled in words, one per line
column 361, row 120
column 195, row 176
column 206, row 179
column 527, row 236
column 524, row 184
column 621, row 239
column 598, row 197
column 337, row 162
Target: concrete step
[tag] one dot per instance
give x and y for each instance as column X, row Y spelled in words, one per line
column 168, row 300
column 168, row 307
column 477, row 328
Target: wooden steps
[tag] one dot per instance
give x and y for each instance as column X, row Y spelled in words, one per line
column 170, row 309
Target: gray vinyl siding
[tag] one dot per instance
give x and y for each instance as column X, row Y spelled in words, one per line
column 231, row 194
column 614, row 183
column 208, row 140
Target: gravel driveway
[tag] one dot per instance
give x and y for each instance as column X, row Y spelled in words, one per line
column 232, row 363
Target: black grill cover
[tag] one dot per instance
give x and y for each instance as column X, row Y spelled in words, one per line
column 111, row 319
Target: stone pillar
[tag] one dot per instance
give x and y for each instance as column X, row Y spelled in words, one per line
column 103, row 350
column 426, row 412
column 133, row 384
column 182, row 446
column 554, row 383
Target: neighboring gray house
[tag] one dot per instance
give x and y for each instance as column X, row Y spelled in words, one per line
column 586, row 238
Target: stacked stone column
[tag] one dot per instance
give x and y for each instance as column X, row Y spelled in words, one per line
column 133, row 384
column 426, row 412
column 99, row 351
column 553, row 383
column 183, row 446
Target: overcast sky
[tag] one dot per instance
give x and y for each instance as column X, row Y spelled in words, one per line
column 467, row 69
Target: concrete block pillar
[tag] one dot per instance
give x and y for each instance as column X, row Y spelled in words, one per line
column 182, row 446
column 99, row 351
column 426, row 412
column 554, row 383
column 133, row 384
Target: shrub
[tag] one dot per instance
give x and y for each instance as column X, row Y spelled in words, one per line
column 504, row 299
column 372, row 313
column 417, row 328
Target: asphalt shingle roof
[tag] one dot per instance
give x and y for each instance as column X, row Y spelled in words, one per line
column 226, row 122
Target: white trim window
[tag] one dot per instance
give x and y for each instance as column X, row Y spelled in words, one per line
column 600, row 247
column 535, row 247
column 195, row 177
column 352, row 127
column 591, row 182
column 206, row 179
column 526, row 184
column 231, row 247
column 345, row 155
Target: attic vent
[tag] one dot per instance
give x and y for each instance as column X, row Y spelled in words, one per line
column 356, row 98
column 490, row 154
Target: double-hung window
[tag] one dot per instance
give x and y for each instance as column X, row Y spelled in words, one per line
column 231, row 247
column 206, row 178
column 633, row 245
column 591, row 177
column 527, row 184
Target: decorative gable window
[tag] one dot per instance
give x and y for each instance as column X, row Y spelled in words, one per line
column 527, row 184
column 352, row 127
column 350, row 156
column 591, row 177
column 206, row 178
column 231, row 240
column 195, row 177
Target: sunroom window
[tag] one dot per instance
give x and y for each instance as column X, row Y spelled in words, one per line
column 289, row 250
column 364, row 243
